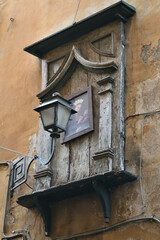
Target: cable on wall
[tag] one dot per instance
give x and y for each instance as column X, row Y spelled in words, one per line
column 10, row 150
column 5, row 211
column 140, row 167
column 76, row 12
column 110, row 228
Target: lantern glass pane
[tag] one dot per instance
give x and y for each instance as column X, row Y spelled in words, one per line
column 48, row 116
column 63, row 116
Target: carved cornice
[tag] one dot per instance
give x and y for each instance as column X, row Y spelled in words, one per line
column 101, row 154
column 65, row 73
column 105, row 91
column 43, row 173
column 118, row 10
column 105, row 80
column 106, row 85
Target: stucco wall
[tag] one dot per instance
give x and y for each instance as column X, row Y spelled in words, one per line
column 24, row 22
column 4, row 170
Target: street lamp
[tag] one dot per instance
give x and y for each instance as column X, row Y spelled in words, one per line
column 55, row 112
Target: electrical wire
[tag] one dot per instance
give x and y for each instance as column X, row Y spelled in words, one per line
column 15, row 151
column 5, row 211
column 140, row 166
column 107, row 229
column 28, row 185
column 76, row 12
column 142, row 114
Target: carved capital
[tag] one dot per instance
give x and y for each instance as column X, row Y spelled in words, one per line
column 101, row 154
column 103, row 161
column 43, row 173
column 105, row 80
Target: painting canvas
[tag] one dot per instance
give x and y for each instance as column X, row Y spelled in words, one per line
column 81, row 122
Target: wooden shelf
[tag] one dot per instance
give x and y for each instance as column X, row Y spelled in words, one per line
column 71, row 189
column 102, row 184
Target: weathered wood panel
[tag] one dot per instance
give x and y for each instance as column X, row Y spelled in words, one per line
column 75, row 159
column 79, row 158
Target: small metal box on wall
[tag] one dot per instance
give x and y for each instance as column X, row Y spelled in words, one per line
column 85, row 63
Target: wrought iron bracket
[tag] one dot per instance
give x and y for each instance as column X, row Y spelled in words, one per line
column 104, row 194
column 45, row 211
column 20, row 172
column 20, row 168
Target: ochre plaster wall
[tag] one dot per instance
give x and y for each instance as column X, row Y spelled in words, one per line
column 24, row 22
column 4, row 171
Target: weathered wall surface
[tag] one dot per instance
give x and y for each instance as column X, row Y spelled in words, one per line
column 20, row 81
column 3, row 190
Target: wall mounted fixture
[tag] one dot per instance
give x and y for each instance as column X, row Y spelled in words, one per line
column 55, row 112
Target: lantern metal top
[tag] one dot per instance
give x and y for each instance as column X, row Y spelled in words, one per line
column 55, row 98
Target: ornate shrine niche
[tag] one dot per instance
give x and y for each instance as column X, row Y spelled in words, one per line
column 85, row 63
column 93, row 60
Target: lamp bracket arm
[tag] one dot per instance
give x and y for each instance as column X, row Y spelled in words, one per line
column 20, row 170
column 50, row 157
column 15, row 182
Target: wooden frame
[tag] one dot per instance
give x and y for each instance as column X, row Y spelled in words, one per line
column 105, row 53
column 50, row 79
column 65, row 71
column 81, row 122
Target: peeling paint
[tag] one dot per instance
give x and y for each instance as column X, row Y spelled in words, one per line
column 150, row 54
column 147, row 98
column 32, row 144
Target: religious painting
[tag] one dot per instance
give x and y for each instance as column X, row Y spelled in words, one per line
column 81, row 122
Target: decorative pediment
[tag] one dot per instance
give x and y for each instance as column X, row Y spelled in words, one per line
column 68, row 66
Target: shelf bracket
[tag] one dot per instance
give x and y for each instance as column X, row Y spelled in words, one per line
column 104, row 196
column 44, row 209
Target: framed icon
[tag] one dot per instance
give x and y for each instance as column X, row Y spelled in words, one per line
column 81, row 122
